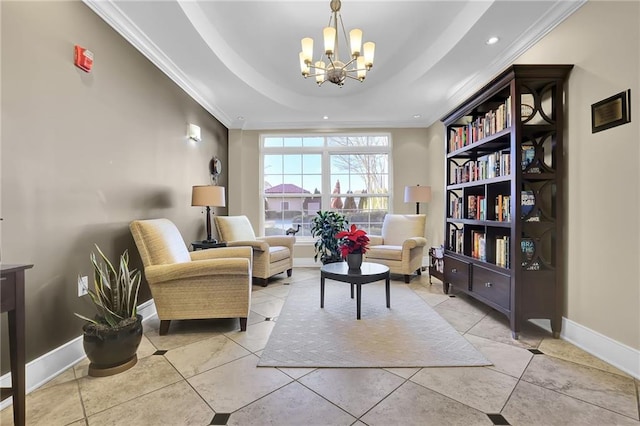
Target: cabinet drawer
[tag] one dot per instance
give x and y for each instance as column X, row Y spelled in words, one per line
column 456, row 272
column 491, row 285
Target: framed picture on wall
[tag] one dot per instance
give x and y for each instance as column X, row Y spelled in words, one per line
column 611, row 112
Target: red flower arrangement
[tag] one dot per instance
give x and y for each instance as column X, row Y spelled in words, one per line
column 353, row 241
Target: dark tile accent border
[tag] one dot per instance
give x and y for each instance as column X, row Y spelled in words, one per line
column 160, row 352
column 268, row 319
column 452, row 295
column 498, row 419
column 536, row 351
column 220, row 419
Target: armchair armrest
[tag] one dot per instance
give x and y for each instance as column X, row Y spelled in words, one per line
column 199, row 268
column 279, row 240
column 414, row 242
column 375, row 240
column 255, row 244
column 224, row 252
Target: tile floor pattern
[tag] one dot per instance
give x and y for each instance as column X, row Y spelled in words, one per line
column 204, row 373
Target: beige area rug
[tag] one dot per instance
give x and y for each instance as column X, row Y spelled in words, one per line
column 410, row 334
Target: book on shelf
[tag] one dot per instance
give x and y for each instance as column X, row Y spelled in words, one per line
column 479, row 245
column 456, row 242
column 528, row 247
column 455, row 208
column 472, row 207
column 481, row 127
column 502, row 252
column 503, row 208
column 528, row 203
column 528, row 158
column 476, row 207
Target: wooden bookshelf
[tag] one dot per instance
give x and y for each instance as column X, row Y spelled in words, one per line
column 504, row 145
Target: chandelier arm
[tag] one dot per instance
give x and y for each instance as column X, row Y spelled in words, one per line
column 349, row 63
column 344, row 32
column 355, row 78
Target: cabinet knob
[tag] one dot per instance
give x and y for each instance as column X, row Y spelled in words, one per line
column 488, row 284
column 454, row 270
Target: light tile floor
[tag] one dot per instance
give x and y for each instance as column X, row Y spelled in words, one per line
column 204, row 372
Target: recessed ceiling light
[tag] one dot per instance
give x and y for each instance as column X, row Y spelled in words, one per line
column 325, row 117
column 492, row 40
column 416, row 116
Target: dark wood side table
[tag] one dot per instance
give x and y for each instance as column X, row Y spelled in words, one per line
column 12, row 302
column 201, row 245
column 368, row 273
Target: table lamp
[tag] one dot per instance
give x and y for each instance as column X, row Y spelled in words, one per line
column 208, row 196
column 417, row 194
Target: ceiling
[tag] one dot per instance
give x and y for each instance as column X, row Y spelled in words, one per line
column 239, row 59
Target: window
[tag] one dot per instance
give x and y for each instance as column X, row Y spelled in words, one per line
column 304, row 174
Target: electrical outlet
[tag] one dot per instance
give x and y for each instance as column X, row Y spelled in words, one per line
column 83, row 285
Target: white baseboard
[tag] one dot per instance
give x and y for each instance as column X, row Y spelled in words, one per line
column 43, row 369
column 611, row 351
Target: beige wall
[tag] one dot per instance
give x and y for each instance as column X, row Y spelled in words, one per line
column 413, row 164
column 84, row 154
column 602, row 177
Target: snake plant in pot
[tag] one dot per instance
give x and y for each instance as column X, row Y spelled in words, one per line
column 112, row 337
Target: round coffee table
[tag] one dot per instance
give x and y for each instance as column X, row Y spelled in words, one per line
column 368, row 273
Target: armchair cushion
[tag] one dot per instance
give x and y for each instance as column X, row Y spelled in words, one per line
column 396, row 228
column 234, row 228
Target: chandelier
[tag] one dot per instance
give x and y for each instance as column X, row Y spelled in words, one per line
column 335, row 70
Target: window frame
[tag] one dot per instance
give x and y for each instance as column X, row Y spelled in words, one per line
column 326, row 152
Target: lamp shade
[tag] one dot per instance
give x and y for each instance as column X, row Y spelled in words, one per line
column 208, row 195
column 417, row 194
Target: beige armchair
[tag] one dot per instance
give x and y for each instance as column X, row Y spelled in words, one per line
column 271, row 255
column 401, row 244
column 214, row 283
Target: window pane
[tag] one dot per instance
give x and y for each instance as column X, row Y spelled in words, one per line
column 272, row 142
column 292, row 164
column 272, row 164
column 295, row 141
column 272, row 181
column 312, row 163
column 313, row 142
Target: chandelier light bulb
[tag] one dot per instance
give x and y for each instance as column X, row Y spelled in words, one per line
column 320, row 70
column 369, row 50
column 329, row 40
column 307, row 49
column 362, row 71
column 304, row 67
column 355, row 35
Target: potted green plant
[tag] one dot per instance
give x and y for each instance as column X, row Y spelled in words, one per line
column 112, row 337
column 324, row 227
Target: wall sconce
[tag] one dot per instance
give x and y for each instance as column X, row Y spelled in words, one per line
column 193, row 132
column 417, row 194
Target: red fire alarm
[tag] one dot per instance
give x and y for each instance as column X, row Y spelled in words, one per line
column 83, row 58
